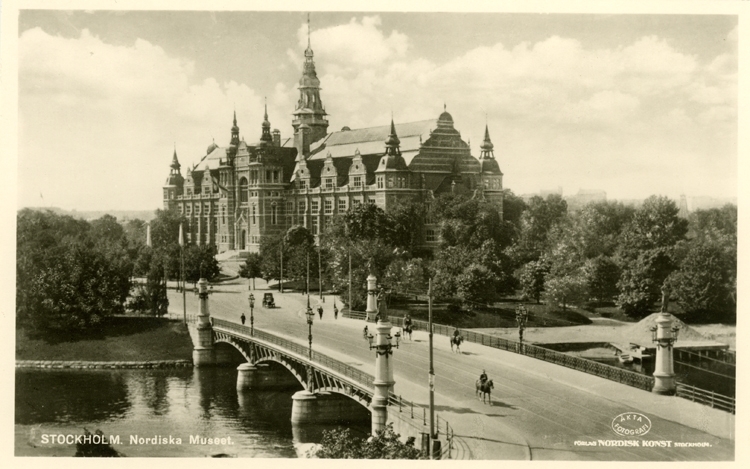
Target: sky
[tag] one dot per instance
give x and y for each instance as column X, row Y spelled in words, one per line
column 633, row 105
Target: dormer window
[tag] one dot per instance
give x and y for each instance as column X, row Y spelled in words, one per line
column 357, row 181
column 302, row 184
column 329, row 183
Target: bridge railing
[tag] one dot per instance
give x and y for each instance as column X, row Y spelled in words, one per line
column 613, row 373
column 417, row 415
column 353, row 314
column 581, row 364
column 710, row 398
column 356, row 375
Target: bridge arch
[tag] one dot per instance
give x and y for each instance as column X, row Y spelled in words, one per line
column 310, row 378
column 226, row 349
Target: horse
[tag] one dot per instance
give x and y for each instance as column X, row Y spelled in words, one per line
column 407, row 331
column 486, row 389
column 456, row 340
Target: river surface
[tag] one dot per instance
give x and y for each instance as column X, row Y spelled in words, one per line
column 144, row 404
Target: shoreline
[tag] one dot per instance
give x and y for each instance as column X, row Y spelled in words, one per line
column 111, row 365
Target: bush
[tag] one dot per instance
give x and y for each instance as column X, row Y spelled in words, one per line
column 341, row 444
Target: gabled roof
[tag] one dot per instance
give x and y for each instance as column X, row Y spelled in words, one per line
column 371, row 141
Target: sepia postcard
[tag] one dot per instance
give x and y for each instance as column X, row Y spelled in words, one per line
column 456, row 231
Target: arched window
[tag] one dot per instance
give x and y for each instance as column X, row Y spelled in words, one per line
column 243, row 190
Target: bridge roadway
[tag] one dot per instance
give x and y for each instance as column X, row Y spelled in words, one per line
column 539, row 410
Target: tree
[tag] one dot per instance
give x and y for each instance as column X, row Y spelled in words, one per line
column 537, row 221
column 471, row 275
column 513, row 208
column 646, row 253
column 703, row 282
column 151, row 298
column 565, row 283
column 407, row 218
column 470, row 222
column 368, row 221
column 565, row 290
column 641, row 281
column 300, row 254
column 251, row 267
column 365, row 233
column 342, row 444
column 654, row 225
column 68, row 277
column 200, row 262
column 532, row 279
column 601, row 274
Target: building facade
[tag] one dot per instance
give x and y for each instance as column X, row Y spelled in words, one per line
column 239, row 193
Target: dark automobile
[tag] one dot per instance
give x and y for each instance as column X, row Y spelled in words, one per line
column 268, row 301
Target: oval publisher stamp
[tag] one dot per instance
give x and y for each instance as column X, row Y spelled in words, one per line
column 631, row 424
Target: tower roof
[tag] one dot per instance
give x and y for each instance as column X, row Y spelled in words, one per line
column 487, row 144
column 392, row 141
column 175, row 163
column 266, row 138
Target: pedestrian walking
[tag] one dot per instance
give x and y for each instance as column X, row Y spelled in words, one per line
column 335, row 312
column 320, row 311
column 242, row 318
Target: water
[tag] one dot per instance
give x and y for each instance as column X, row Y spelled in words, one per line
column 146, row 403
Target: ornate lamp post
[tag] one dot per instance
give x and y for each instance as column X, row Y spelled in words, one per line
column 251, row 300
column 664, row 335
column 310, row 316
column 522, row 315
column 383, row 381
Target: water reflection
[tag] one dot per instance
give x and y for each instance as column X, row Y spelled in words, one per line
column 44, row 396
column 152, row 403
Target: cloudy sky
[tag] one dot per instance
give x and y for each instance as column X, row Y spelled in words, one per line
column 630, row 104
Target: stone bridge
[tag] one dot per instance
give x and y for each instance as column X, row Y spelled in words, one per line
column 331, row 391
column 323, row 380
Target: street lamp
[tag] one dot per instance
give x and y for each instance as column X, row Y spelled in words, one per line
column 385, row 349
column 522, row 315
column 251, row 299
column 310, row 316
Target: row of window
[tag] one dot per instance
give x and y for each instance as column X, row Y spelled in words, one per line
column 392, row 181
column 328, row 183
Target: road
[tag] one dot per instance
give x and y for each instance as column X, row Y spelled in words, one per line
column 534, row 415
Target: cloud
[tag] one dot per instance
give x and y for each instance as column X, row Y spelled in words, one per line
column 97, row 118
column 355, row 44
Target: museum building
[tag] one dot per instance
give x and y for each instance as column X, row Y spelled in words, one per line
column 239, row 193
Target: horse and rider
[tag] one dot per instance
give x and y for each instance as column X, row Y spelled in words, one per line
column 456, row 340
column 485, row 386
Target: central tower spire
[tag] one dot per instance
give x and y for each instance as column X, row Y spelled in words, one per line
column 310, row 109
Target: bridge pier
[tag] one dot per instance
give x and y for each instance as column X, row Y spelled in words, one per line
column 325, row 407
column 304, row 407
column 246, row 374
column 262, row 376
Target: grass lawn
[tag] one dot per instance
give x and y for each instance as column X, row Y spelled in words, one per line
column 502, row 314
column 121, row 339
